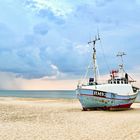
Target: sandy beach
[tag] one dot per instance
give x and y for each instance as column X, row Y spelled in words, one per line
column 47, row 119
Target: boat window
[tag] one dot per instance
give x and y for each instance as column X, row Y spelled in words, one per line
column 125, row 82
column 118, row 81
column 91, row 81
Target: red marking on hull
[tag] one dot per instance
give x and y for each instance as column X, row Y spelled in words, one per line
column 118, row 107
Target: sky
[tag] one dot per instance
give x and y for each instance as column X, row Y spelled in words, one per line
column 43, row 43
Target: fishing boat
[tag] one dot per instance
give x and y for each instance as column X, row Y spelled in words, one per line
column 117, row 93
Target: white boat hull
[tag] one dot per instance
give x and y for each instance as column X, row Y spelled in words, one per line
column 93, row 99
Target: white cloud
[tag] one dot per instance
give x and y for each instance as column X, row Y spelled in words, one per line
column 82, row 49
column 137, row 1
column 59, row 8
column 54, row 45
column 11, row 82
column 8, row 80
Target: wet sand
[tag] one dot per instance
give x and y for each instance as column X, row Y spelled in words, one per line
column 47, row 119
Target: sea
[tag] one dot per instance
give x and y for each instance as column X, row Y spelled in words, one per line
column 54, row 94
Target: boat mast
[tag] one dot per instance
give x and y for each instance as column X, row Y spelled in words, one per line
column 94, row 57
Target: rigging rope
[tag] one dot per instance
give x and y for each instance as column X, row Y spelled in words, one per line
column 84, row 77
column 104, row 56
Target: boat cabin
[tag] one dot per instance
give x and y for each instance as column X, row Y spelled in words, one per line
column 118, row 81
column 115, row 79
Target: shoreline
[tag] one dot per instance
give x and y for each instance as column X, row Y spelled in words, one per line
column 39, row 94
column 36, row 99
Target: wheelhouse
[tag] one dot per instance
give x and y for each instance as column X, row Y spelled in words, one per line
column 118, row 81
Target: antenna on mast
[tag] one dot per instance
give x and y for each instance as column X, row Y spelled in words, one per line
column 121, row 66
column 121, row 54
column 98, row 34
